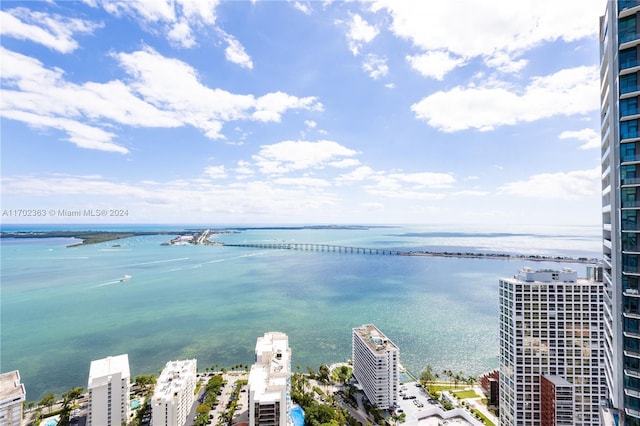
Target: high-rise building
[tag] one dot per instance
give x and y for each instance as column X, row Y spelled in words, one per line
column 12, row 395
column 109, row 387
column 551, row 349
column 174, row 393
column 619, row 111
column 270, row 381
column 376, row 362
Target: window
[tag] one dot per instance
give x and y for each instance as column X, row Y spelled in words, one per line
column 628, row 83
column 629, row 129
column 628, row 106
column 627, row 29
column 628, row 58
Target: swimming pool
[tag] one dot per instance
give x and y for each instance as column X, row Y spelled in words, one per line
column 297, row 415
column 135, row 404
column 51, row 422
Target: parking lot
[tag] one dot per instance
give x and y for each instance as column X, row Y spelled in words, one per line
column 413, row 399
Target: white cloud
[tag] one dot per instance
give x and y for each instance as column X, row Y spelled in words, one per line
column 302, row 7
column 287, row 156
column 235, row 53
column 496, row 31
column 175, row 86
column 181, row 34
column 162, row 92
column 562, row 185
column 271, row 106
column 375, row 66
column 302, row 181
column 141, row 199
column 53, row 31
column 343, row 164
column 568, row 92
column 360, row 32
column 390, row 85
column 590, row 137
column 434, row 64
column 145, row 10
column 180, row 20
column 216, row 172
column 425, row 179
column 357, row 175
column 310, row 124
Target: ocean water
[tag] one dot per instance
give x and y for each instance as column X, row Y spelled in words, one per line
column 63, row 307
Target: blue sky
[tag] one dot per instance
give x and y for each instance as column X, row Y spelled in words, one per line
column 381, row 112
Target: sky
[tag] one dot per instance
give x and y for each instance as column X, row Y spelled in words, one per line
column 300, row 112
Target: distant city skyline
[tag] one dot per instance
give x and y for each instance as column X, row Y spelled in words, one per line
column 301, row 112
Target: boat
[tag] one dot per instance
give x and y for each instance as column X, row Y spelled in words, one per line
column 125, row 278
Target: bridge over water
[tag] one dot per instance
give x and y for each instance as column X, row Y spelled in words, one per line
column 317, row 247
column 368, row 250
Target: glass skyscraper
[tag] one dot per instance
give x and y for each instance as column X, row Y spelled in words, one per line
column 620, row 116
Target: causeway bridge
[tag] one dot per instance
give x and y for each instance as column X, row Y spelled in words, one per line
column 316, row 247
column 367, row 250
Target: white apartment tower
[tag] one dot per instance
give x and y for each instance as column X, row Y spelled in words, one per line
column 620, row 153
column 375, row 365
column 270, row 381
column 12, row 395
column 109, row 387
column 551, row 349
column 174, row 393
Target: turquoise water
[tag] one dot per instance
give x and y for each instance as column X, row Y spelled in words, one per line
column 297, row 415
column 63, row 307
column 135, row 404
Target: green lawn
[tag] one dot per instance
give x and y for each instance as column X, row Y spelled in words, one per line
column 465, row 394
column 483, row 417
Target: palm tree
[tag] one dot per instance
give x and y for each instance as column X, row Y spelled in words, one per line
column 48, row 400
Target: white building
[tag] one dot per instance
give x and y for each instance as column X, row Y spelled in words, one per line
column 174, row 393
column 12, row 395
column 620, row 167
column 551, row 332
column 375, row 365
column 270, row 381
column 109, row 387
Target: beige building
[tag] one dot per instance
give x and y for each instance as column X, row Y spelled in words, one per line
column 12, row 395
column 109, row 386
column 376, row 361
column 174, row 393
column 270, row 381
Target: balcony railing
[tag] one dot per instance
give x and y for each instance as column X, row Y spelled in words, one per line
column 630, row 181
column 625, row 38
column 627, row 4
column 630, row 203
column 629, row 63
column 630, row 158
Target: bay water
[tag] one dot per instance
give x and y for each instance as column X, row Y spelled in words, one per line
column 63, row 307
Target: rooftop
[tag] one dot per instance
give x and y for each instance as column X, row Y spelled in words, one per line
column 10, row 387
column 175, row 376
column 108, row 366
column 374, row 338
column 268, row 376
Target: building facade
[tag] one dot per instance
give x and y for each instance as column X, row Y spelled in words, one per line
column 109, row 386
column 270, row 381
column 12, row 395
column 376, row 362
column 551, row 325
column 174, row 393
column 620, row 153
